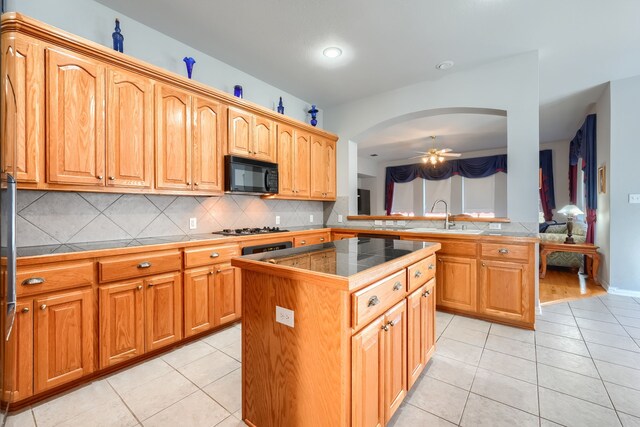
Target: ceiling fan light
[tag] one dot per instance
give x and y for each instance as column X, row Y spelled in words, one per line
column 424, row 160
column 441, row 159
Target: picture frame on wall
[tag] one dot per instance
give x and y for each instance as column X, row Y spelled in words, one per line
column 602, row 179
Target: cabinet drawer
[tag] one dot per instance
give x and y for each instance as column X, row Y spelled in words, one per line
column 373, row 300
column 130, row 266
column 50, row 277
column 506, row 252
column 312, row 239
column 210, row 255
column 458, row 248
column 421, row 272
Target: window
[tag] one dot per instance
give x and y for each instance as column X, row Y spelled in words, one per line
column 437, row 190
column 403, row 198
column 479, row 196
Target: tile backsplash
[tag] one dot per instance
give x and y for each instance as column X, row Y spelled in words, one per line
column 47, row 217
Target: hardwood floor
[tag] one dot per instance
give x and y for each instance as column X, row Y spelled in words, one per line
column 567, row 285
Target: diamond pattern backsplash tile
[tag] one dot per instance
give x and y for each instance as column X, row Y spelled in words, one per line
column 67, row 217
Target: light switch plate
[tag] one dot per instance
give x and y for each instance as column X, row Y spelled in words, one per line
column 401, row 223
column 388, row 222
column 277, row 219
column 339, row 218
column 193, row 223
column 495, row 226
column 310, row 218
column 634, row 198
column 377, row 222
column 284, row 316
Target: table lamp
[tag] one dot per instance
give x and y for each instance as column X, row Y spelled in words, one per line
column 570, row 211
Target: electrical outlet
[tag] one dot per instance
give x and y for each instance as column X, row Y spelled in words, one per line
column 634, row 198
column 495, row 226
column 310, row 218
column 339, row 218
column 401, row 223
column 377, row 222
column 193, row 223
column 277, row 219
column 284, row 316
column 387, row 222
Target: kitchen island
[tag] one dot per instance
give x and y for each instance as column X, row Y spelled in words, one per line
column 335, row 334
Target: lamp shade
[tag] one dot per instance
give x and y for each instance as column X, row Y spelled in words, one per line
column 570, row 210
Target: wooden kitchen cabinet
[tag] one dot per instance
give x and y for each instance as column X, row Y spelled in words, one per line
column 421, row 313
column 130, row 130
column 367, row 381
column 227, row 294
column 163, row 310
column 17, row 374
column 312, row 239
column 199, row 299
column 121, row 322
column 208, row 137
column 505, row 291
column 323, row 168
column 456, row 283
column 75, row 111
column 63, row 338
column 293, row 162
column 251, row 135
column 395, row 359
column 23, row 109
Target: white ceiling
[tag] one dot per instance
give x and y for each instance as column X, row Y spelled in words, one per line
column 582, row 44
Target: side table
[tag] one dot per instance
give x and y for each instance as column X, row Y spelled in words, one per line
column 588, row 249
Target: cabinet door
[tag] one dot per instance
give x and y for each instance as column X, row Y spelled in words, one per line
column 198, row 300
column 227, row 298
column 456, row 283
column 75, row 119
column 416, row 336
column 64, row 331
column 302, row 157
column 264, row 139
column 208, row 137
column 505, row 290
column 130, row 130
column 318, row 171
column 173, row 132
column 121, row 322
column 367, row 377
column 17, row 375
column 286, row 161
column 395, row 359
column 330, row 167
column 240, row 132
column 23, row 109
column 429, row 304
column 163, row 302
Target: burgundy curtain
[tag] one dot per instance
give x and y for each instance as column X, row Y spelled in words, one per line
column 583, row 146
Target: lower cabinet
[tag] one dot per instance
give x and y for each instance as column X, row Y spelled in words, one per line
column 456, row 283
column 139, row 316
column 227, row 296
column 421, row 320
column 505, row 291
column 379, row 368
column 17, row 372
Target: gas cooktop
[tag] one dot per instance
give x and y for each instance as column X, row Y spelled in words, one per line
column 247, row 231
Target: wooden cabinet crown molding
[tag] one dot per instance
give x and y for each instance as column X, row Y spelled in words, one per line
column 19, row 23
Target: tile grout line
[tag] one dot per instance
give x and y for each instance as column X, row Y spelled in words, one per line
column 123, row 401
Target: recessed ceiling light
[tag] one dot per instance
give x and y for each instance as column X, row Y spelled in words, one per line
column 332, row 52
column 444, row 65
column 374, row 155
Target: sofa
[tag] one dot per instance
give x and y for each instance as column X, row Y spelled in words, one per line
column 557, row 233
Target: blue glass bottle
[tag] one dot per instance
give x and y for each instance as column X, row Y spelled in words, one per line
column 117, row 37
column 314, row 113
column 189, row 61
column 237, row 91
column 280, row 107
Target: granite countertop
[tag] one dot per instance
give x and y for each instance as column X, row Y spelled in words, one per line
column 349, row 256
column 405, row 229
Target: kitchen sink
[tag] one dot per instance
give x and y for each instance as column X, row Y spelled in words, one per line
column 443, row 231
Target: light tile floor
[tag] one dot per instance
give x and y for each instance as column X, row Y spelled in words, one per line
column 580, row 368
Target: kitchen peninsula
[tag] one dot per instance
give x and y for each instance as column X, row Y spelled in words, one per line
column 337, row 333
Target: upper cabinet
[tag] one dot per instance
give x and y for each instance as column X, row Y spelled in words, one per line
column 208, row 136
column 293, row 162
column 75, row 102
column 323, row 169
column 251, row 135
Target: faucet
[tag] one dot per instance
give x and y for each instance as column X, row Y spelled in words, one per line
column 446, row 212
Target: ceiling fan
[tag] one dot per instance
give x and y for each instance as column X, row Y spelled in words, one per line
column 435, row 156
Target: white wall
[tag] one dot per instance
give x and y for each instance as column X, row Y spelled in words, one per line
column 603, row 222
column 625, row 179
column 510, row 85
column 95, row 22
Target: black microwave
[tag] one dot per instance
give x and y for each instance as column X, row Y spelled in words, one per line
column 250, row 176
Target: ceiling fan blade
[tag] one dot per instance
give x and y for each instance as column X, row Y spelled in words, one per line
column 445, row 150
column 450, row 154
column 416, row 157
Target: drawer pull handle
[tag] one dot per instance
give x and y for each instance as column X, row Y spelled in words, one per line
column 417, row 274
column 426, row 293
column 139, row 287
column 33, row 281
column 150, row 285
column 503, row 251
column 43, row 307
column 218, row 271
column 303, row 242
column 397, row 286
column 214, row 255
column 373, row 301
column 322, row 239
column 25, row 310
column 271, row 261
column 431, row 266
column 144, row 265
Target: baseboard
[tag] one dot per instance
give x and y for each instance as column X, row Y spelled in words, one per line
column 623, row 292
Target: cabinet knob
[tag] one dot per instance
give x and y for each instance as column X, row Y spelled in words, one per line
column 139, row 287
column 431, row 266
column 303, row 242
column 100, row 177
column 195, row 183
column 25, row 310
column 214, row 255
column 417, row 274
column 322, row 239
column 150, row 285
column 112, row 178
column 426, row 293
column 391, row 323
column 33, row 281
column 484, row 265
column 374, row 300
column 188, row 182
column 385, row 327
column 145, row 264
column 397, row 286
column 503, row 251
column 43, row 307
column 218, row 271
column 211, row 272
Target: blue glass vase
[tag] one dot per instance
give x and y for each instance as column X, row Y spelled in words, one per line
column 189, row 61
column 314, row 114
column 117, row 37
column 237, row 91
column 280, row 107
